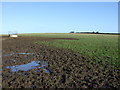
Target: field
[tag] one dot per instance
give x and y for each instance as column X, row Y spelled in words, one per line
column 101, row 48
column 73, row 60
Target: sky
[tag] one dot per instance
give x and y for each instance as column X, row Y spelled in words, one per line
column 59, row 17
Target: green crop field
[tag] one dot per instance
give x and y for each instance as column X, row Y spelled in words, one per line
column 98, row 48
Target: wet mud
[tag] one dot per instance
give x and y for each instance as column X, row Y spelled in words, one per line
column 29, row 65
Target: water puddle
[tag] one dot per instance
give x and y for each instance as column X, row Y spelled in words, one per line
column 38, row 65
column 25, row 53
column 17, row 53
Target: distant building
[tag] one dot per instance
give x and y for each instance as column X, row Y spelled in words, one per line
column 12, row 34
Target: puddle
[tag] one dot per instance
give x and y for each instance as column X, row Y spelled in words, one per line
column 32, row 86
column 17, row 53
column 45, row 70
column 24, row 53
column 108, row 86
column 8, row 54
column 39, row 65
column 25, row 73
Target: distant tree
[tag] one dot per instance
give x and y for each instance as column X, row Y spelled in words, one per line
column 93, row 32
column 97, row 32
column 72, row 32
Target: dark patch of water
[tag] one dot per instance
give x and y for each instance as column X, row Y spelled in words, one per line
column 32, row 86
column 108, row 86
column 45, row 70
column 17, row 53
column 25, row 73
column 32, row 65
column 25, row 53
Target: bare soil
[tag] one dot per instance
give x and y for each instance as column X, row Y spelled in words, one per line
column 67, row 68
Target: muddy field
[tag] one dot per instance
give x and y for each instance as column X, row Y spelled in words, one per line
column 41, row 66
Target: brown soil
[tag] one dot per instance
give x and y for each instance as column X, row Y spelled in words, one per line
column 67, row 68
column 36, row 38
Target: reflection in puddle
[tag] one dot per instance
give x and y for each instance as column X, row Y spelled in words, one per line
column 8, row 54
column 24, row 53
column 17, row 53
column 32, row 65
